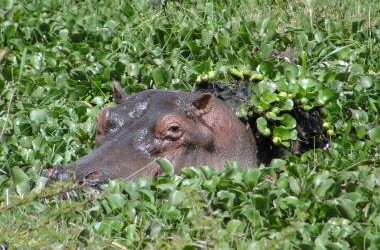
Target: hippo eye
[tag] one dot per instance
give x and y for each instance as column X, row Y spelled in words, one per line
column 174, row 128
column 173, row 131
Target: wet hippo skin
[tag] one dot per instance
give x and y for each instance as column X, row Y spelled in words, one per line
column 188, row 129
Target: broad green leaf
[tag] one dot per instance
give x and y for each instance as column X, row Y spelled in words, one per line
column 21, row 180
column 166, row 166
column 259, row 201
column 251, row 176
column 291, row 73
column 9, row 30
column 277, row 163
column 323, row 187
column 111, row 24
column 266, row 50
column 233, row 226
column 40, row 185
column 206, row 37
column 208, row 171
column 226, row 196
column 347, row 208
column 256, row 77
column 262, row 87
column 356, row 197
column 365, row 81
column 264, row 25
column 359, row 115
column 326, row 95
column 308, row 83
column 288, row 121
column 6, row 4
column 286, row 105
column 155, row 229
column 176, row 197
column 283, row 182
column 192, row 172
column 161, row 76
column 266, row 68
column 130, row 234
column 269, row 97
column 147, row 195
column 294, row 185
column 236, row 73
column 262, row 123
column 173, row 213
column 374, row 134
column 116, row 200
column 284, row 133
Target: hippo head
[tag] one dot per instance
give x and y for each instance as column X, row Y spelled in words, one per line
column 188, row 129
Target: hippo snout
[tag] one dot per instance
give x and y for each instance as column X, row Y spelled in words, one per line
column 93, row 178
column 59, row 174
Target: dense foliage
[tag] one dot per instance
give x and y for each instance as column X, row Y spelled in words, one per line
column 57, row 59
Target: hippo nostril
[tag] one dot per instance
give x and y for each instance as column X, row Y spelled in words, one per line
column 49, row 173
column 94, row 179
column 58, row 174
column 94, row 176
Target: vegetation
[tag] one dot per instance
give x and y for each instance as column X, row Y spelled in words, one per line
column 57, row 59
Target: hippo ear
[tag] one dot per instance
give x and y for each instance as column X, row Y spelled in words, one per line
column 118, row 93
column 203, row 103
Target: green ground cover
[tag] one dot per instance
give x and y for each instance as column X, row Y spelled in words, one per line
column 57, row 61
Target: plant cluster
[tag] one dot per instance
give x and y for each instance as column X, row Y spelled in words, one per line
column 57, row 59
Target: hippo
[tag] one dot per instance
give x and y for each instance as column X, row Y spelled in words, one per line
column 186, row 128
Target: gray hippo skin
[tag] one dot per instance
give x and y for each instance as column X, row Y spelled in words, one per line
column 188, row 129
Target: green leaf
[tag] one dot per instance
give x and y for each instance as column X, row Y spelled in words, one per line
column 374, row 134
column 116, row 200
column 294, row 185
column 308, row 83
column 111, row 24
column 206, row 37
column 266, row 68
column 6, row 4
column 233, row 226
column 236, row 73
column 323, row 187
column 251, row 176
column 262, row 123
column 40, row 185
column 365, row 81
column 176, row 197
column 19, row 175
column 283, row 182
column 161, row 76
column 155, row 229
column 288, row 121
column 9, row 30
column 326, row 95
column 21, row 179
column 269, row 97
column 265, row 23
column 166, row 166
column 284, row 133
column 286, row 105
column 356, row 197
column 359, row 115
column 277, row 163
column 347, row 208
column 207, row 171
column 147, row 195
column 256, row 77
column 226, row 197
